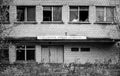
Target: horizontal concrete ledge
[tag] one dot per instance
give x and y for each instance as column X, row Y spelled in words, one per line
column 34, row 39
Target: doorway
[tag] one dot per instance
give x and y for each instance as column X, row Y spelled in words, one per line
column 52, row 54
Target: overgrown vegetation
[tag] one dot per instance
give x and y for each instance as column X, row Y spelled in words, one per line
column 4, row 29
column 53, row 69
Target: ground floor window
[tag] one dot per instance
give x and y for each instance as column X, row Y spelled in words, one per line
column 4, row 54
column 25, row 52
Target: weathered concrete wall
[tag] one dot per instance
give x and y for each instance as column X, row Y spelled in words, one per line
column 89, row 30
column 98, row 51
column 70, row 2
column 92, row 30
column 12, row 53
column 38, row 53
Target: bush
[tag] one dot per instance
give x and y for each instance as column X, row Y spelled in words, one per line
column 71, row 69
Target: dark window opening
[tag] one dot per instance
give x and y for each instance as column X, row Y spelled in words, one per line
column 44, row 46
column 30, row 54
column 47, row 16
column 4, row 54
column 26, row 52
column 20, row 13
column 83, row 16
column 20, row 54
column 30, row 47
column 51, row 13
column 79, row 13
column 85, row 49
column 25, row 13
column 75, row 49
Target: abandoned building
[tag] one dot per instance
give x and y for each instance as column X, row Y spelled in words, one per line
column 61, row 31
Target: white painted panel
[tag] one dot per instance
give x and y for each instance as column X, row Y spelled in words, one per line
column 45, row 54
column 38, row 53
column 60, row 54
column 56, row 54
column 53, row 54
column 12, row 53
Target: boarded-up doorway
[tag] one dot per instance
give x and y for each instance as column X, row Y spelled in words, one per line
column 52, row 54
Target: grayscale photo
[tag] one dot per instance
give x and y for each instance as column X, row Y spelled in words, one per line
column 59, row 37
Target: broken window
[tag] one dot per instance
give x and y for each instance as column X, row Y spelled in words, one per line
column 105, row 14
column 79, row 14
column 4, row 13
column 25, row 52
column 25, row 13
column 52, row 13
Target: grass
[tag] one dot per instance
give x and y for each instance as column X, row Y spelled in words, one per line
column 34, row 69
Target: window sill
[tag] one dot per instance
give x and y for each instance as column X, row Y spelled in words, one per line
column 22, row 61
column 104, row 23
column 52, row 22
column 25, row 22
column 6, row 22
column 79, row 22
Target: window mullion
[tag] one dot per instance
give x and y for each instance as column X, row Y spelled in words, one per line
column 52, row 13
column 78, row 13
column 25, row 13
column 25, row 53
column 105, row 17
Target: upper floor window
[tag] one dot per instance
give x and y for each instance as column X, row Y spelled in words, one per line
column 79, row 13
column 105, row 14
column 52, row 13
column 4, row 13
column 25, row 13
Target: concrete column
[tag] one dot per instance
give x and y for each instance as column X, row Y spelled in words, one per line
column 39, row 13
column 92, row 14
column 117, row 13
column 38, row 53
column 12, row 53
column 65, row 13
column 13, row 13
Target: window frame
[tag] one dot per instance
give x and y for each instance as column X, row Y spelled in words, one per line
column 26, row 21
column 105, row 14
column 78, row 10
column 52, row 13
column 25, row 52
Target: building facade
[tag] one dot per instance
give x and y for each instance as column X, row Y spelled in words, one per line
column 62, row 31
